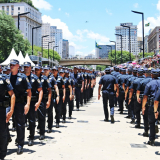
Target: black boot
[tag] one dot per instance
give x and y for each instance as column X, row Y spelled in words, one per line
column 112, row 119
column 19, row 150
column 30, row 142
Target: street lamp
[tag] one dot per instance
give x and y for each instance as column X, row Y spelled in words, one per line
column 111, row 53
column 142, row 26
column 32, row 36
column 121, row 44
column 48, row 49
column 42, row 43
column 129, row 39
column 21, row 15
column 115, row 50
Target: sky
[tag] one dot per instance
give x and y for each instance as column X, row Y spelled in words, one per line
column 102, row 17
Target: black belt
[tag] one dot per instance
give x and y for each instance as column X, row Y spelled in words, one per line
column 20, row 99
column 45, row 96
column 4, row 104
column 78, row 85
column 67, row 89
column 34, row 98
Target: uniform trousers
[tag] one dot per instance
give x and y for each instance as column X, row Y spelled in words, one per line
column 81, row 97
column 77, row 93
column 84, row 95
column 3, row 133
column 108, row 96
column 137, row 108
column 50, row 114
column 145, row 119
column 42, row 116
column 121, row 99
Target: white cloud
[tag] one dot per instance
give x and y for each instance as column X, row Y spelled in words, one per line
column 59, row 9
column 158, row 5
column 42, row 4
column 67, row 14
column 136, row 5
column 108, row 12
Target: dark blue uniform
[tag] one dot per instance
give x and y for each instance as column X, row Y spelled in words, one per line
column 36, row 84
column 108, row 82
column 20, row 84
column 42, row 108
column 85, row 88
column 4, row 87
column 82, row 93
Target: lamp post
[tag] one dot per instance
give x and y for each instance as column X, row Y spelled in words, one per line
column 129, row 39
column 48, row 49
column 111, row 53
column 115, row 50
column 42, row 43
column 121, row 44
column 21, row 15
column 142, row 27
column 32, row 36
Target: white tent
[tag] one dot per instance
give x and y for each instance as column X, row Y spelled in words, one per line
column 21, row 59
column 12, row 55
column 27, row 59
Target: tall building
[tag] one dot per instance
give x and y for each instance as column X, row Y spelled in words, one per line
column 146, row 44
column 125, row 37
column 57, row 36
column 154, row 40
column 65, row 52
column 104, row 51
column 140, row 44
column 71, row 51
column 27, row 21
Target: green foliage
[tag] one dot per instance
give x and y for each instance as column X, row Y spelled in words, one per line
column 100, row 67
column 125, row 57
column 10, row 37
column 145, row 54
column 37, row 49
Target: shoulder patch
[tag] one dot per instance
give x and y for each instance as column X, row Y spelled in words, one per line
column 19, row 79
column 8, row 81
column 33, row 80
column 42, row 80
column 48, row 80
column 38, row 81
column 1, row 81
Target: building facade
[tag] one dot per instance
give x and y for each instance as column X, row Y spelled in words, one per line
column 65, row 52
column 125, row 37
column 71, row 51
column 104, row 51
column 27, row 22
column 140, row 44
column 154, row 40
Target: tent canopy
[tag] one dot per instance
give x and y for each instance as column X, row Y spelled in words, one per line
column 27, row 59
column 21, row 59
column 12, row 55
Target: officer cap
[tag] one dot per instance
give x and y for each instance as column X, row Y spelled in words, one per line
column 107, row 70
column 38, row 66
column 146, row 70
column 64, row 67
column 66, row 71
column 140, row 71
column 117, row 69
column 5, row 69
column 54, row 68
column 14, row 61
column 114, row 67
column 27, row 64
column 75, row 67
column 61, row 71
column 123, row 70
column 130, row 69
column 155, row 72
column 60, row 66
column 8, row 67
column 46, row 67
column 134, row 70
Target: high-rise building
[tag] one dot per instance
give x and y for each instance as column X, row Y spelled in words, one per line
column 27, row 21
column 71, row 51
column 104, row 51
column 57, row 36
column 125, row 38
column 65, row 52
column 154, row 40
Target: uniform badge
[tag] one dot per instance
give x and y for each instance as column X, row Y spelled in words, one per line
column 33, row 80
column 48, row 80
column 19, row 79
column 42, row 80
column 1, row 82
column 38, row 81
column 59, row 79
column 78, row 75
column 27, row 80
column 8, row 81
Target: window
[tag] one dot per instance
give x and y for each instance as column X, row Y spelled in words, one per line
column 7, row 8
column 12, row 8
column 18, row 8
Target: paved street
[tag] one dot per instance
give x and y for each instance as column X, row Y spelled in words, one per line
column 88, row 137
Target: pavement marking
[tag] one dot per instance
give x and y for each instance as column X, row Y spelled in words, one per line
column 138, row 145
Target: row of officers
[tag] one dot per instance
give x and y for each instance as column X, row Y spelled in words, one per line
column 139, row 89
column 33, row 94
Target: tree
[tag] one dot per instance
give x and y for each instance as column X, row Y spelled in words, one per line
column 145, row 54
column 100, row 67
column 37, row 49
column 125, row 57
column 10, row 37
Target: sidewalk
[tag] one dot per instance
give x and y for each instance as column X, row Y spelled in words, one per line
column 88, row 137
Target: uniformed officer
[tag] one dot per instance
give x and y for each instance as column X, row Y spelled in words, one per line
column 46, row 100
column 81, row 93
column 140, row 93
column 5, row 86
column 85, row 85
column 79, row 85
column 68, row 97
column 133, row 90
column 55, row 99
column 37, row 94
column 21, row 85
column 150, row 92
column 61, row 87
column 108, row 81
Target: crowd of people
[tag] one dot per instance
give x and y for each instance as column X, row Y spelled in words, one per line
column 135, row 85
column 29, row 94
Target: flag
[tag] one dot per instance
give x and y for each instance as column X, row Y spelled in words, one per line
column 146, row 25
column 97, row 46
